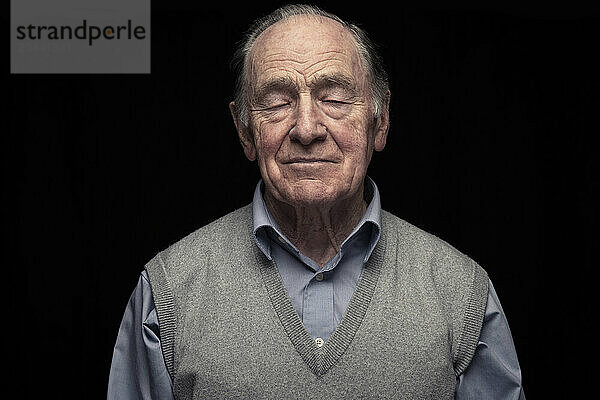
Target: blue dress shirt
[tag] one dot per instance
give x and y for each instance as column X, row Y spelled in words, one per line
column 320, row 296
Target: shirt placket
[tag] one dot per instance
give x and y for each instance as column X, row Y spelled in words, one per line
column 318, row 307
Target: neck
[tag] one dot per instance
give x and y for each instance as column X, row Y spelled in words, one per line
column 319, row 231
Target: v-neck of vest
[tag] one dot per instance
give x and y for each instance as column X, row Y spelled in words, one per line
column 321, row 359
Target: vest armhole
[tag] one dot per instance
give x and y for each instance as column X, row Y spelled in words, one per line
column 472, row 320
column 165, row 309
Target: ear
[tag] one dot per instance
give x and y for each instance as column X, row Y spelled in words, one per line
column 383, row 124
column 244, row 134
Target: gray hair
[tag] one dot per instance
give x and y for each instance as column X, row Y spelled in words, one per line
column 367, row 50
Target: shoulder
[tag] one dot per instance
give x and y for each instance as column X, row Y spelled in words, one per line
column 207, row 243
column 427, row 250
column 417, row 239
column 227, row 229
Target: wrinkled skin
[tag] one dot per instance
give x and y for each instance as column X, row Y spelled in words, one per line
column 311, row 129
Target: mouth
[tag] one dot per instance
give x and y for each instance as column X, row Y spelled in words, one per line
column 307, row 161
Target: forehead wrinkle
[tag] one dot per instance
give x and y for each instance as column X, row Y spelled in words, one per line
column 319, row 65
column 287, row 51
column 311, row 59
column 300, row 73
column 286, row 54
column 338, row 66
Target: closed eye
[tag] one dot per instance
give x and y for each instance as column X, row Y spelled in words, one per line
column 332, row 101
column 277, row 106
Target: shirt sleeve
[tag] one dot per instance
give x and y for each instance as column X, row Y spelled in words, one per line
column 138, row 369
column 494, row 372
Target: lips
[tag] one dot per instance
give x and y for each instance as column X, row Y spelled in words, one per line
column 303, row 160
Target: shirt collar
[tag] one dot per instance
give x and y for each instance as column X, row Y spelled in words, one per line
column 262, row 219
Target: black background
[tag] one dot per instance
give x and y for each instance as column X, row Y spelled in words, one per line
column 490, row 148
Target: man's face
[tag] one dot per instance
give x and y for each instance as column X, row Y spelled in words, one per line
column 311, row 117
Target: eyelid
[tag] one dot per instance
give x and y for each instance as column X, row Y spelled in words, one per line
column 278, row 106
column 273, row 100
column 334, row 101
column 336, row 93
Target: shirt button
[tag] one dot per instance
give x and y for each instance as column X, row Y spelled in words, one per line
column 282, row 240
column 319, row 342
column 319, row 276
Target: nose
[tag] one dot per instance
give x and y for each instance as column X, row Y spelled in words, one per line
column 308, row 127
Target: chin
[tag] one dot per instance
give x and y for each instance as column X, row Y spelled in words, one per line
column 312, row 193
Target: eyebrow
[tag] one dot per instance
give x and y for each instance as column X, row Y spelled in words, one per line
column 282, row 83
column 288, row 85
column 334, row 80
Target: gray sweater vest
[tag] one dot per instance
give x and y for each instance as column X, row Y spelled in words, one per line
column 229, row 330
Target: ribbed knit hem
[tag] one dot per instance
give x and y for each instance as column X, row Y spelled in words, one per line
column 473, row 320
column 165, row 309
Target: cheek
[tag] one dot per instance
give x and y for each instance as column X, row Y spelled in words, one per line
column 354, row 143
column 268, row 140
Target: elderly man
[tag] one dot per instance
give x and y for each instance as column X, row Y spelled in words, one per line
column 312, row 291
